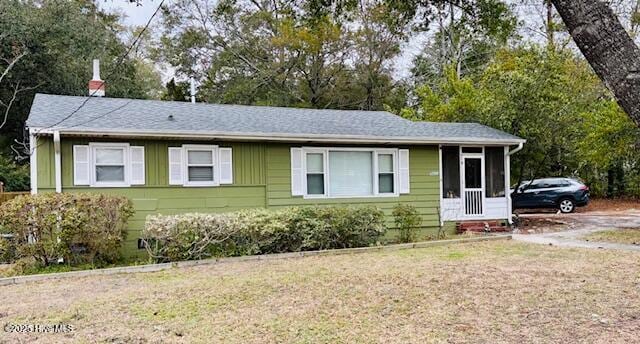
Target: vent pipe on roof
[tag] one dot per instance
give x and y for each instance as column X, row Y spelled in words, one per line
column 96, row 85
column 193, row 90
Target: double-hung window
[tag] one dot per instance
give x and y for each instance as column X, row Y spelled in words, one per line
column 386, row 173
column 315, row 173
column 110, row 164
column 350, row 172
column 200, row 166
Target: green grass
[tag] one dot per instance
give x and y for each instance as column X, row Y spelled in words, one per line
column 618, row 236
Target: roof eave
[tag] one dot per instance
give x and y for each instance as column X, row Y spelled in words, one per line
column 275, row 137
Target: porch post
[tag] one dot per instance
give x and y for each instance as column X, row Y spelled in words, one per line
column 33, row 161
column 57, row 161
column 507, row 182
column 440, row 180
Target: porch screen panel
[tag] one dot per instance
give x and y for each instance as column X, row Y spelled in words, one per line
column 451, row 172
column 494, row 171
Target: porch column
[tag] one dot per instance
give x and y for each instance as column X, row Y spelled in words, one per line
column 57, row 161
column 507, row 182
column 33, row 161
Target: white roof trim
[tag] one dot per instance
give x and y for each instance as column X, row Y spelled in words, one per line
column 280, row 137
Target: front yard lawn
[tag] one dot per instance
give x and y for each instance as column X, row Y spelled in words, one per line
column 618, row 236
column 492, row 292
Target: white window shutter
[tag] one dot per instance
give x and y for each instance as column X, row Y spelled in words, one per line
column 175, row 166
column 81, row 165
column 137, row 165
column 403, row 162
column 297, row 174
column 226, row 166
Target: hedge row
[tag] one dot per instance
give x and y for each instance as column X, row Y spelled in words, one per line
column 41, row 230
column 77, row 228
column 259, row 231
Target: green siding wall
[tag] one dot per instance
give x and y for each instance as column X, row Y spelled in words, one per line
column 262, row 178
column 45, row 156
column 424, row 195
column 248, row 161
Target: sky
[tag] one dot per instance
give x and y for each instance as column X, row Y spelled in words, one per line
column 135, row 14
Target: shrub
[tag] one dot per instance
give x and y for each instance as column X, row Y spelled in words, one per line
column 407, row 222
column 15, row 177
column 80, row 228
column 260, row 231
column 7, row 250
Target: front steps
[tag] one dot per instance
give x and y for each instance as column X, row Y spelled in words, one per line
column 488, row 226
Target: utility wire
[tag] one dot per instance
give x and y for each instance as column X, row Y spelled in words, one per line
column 115, row 68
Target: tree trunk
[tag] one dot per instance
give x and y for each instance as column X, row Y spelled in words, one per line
column 549, row 27
column 603, row 41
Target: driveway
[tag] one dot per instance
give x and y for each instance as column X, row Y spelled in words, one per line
column 581, row 224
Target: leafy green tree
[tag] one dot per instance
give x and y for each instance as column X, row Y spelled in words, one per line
column 58, row 40
column 289, row 53
column 465, row 38
column 608, row 151
column 178, row 91
column 13, row 176
column 540, row 95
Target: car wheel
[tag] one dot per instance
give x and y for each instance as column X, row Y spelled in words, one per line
column 566, row 205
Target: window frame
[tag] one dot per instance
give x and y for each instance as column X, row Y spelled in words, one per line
column 215, row 165
column 394, row 163
column 325, row 158
column 93, row 147
column 325, row 151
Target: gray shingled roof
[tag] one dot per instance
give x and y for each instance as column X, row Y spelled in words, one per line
column 166, row 118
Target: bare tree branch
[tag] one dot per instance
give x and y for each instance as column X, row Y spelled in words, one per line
column 16, row 90
column 12, row 63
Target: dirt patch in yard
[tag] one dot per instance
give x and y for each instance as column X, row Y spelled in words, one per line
column 609, row 205
column 499, row 292
column 541, row 224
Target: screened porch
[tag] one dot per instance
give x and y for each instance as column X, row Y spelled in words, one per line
column 474, row 183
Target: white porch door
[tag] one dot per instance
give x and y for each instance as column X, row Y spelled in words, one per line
column 473, row 184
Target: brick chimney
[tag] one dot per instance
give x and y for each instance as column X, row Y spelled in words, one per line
column 96, row 85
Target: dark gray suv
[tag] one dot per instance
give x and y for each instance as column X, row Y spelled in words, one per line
column 564, row 194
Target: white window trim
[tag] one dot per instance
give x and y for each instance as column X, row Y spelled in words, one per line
column 92, row 164
column 325, row 153
column 396, row 167
column 325, row 173
column 215, row 160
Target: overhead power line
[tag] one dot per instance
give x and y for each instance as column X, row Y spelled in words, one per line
column 113, row 70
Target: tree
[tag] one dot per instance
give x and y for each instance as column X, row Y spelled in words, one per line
column 176, row 91
column 552, row 99
column 608, row 150
column 607, row 46
column 56, row 41
column 321, row 54
column 466, row 38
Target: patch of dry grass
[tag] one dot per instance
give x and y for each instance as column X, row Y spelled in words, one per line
column 496, row 292
column 619, row 236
